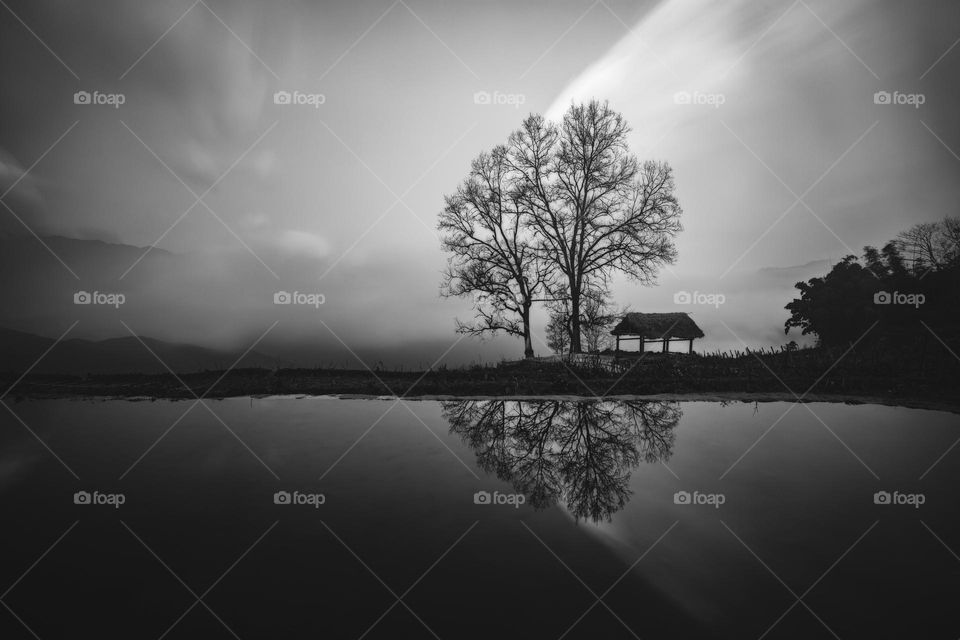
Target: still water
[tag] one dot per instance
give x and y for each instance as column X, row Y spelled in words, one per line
column 305, row 517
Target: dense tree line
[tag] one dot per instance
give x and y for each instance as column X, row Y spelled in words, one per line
column 899, row 297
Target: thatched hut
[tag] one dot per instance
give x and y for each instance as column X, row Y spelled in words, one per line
column 657, row 327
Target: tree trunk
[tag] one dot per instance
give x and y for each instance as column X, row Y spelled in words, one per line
column 575, row 345
column 527, row 343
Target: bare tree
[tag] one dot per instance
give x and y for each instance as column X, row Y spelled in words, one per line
column 594, row 207
column 597, row 316
column 485, row 227
column 949, row 240
column 919, row 246
column 931, row 245
column 558, row 332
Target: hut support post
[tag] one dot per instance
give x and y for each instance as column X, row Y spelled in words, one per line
column 666, row 345
column 643, row 344
column 690, row 350
column 618, row 344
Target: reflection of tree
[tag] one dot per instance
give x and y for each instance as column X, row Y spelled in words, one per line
column 577, row 452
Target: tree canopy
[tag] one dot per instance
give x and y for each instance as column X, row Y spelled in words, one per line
column 885, row 293
column 556, row 211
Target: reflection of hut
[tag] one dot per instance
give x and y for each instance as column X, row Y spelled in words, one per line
column 657, row 327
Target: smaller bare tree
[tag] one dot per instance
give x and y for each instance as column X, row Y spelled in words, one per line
column 493, row 260
column 597, row 316
column 558, row 332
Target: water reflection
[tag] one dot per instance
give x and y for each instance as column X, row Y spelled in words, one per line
column 580, row 453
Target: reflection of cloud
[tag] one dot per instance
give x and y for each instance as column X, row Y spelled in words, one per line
column 15, row 464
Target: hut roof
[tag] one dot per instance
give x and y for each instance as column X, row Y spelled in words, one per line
column 658, row 325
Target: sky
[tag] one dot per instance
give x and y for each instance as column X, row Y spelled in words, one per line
column 186, row 186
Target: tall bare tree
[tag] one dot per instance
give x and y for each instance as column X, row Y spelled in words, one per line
column 486, row 228
column 595, row 208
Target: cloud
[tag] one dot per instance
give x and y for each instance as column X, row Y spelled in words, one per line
column 15, row 179
column 792, row 100
column 224, row 299
column 290, row 243
column 21, row 194
column 303, row 243
column 752, row 103
column 197, row 99
column 10, row 170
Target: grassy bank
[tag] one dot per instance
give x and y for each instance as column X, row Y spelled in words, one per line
column 819, row 372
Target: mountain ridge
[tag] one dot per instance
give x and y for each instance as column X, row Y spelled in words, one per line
column 21, row 351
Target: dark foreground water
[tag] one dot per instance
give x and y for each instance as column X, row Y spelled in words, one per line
column 296, row 518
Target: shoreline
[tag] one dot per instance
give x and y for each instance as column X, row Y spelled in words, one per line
column 705, row 396
column 749, row 378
